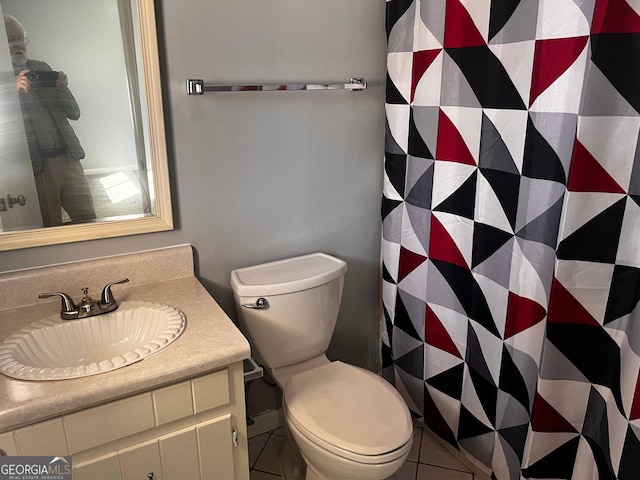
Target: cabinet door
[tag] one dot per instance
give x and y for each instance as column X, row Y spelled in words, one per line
column 101, row 468
column 141, row 461
column 215, row 448
column 179, row 454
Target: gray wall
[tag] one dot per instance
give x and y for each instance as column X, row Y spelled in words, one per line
column 262, row 176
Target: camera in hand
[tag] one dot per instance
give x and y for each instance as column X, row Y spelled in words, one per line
column 42, row 79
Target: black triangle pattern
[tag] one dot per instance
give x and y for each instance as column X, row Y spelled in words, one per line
column 487, row 393
column 581, row 354
column 463, row 200
column 396, row 169
column 487, row 77
column 403, row 320
column 557, row 464
column 413, row 362
column 540, row 160
column 501, row 11
column 596, row 432
column 630, row 460
column 417, row 145
column 395, row 10
column 449, row 381
column 507, row 188
column 386, row 276
column 435, row 421
column 516, row 438
column 388, row 206
column 611, row 53
column 597, row 240
column 487, row 240
column 468, row 293
column 511, row 380
column 624, row 293
column 393, row 95
column 474, row 356
column 470, row 426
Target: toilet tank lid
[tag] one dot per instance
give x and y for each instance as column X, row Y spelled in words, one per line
column 287, row 276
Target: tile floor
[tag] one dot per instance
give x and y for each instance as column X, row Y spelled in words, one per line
column 427, row 460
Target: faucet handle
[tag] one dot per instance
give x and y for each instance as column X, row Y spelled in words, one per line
column 68, row 307
column 107, row 296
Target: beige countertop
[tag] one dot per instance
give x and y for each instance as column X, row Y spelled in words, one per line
column 210, row 341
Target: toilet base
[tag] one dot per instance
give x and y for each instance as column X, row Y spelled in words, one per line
column 291, row 463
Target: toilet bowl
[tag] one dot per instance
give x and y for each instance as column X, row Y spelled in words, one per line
column 347, row 422
column 342, row 421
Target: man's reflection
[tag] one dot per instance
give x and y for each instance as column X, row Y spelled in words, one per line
column 47, row 106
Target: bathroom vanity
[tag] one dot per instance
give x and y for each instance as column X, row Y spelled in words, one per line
column 177, row 414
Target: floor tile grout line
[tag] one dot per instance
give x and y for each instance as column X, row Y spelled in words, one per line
column 261, row 451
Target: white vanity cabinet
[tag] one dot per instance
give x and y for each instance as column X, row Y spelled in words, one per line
column 190, row 430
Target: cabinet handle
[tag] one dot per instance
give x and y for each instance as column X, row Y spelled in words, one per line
column 150, row 476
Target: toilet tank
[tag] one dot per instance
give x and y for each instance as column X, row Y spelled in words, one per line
column 303, row 295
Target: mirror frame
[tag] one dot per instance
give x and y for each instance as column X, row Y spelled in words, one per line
column 163, row 218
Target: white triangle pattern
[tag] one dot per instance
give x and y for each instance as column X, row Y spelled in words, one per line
column 587, row 282
column 561, row 19
column 580, row 207
column 447, row 178
column 512, row 126
column 517, row 60
column 428, row 89
column 601, row 137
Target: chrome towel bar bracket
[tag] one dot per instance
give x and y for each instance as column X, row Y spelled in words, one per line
column 198, row 87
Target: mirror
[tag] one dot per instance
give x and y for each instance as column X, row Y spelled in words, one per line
column 107, row 50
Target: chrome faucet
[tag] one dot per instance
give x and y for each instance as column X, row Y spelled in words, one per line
column 88, row 306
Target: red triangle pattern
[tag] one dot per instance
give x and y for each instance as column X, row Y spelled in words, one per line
column 564, row 308
column 614, row 16
column 587, row 175
column 451, row 146
column 552, row 58
column 545, row 418
column 442, row 247
column 409, row 261
column 522, row 313
column 436, row 335
column 635, row 407
column 459, row 29
column 422, row 60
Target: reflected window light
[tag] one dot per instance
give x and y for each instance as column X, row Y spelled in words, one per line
column 119, row 187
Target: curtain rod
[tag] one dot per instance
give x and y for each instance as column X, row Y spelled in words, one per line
column 198, row 87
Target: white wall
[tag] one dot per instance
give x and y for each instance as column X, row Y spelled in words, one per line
column 262, row 176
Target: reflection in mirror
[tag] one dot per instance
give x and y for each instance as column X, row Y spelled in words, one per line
column 83, row 152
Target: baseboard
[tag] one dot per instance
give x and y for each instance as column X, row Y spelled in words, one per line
column 265, row 422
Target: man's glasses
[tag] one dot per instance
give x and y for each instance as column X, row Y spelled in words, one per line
column 22, row 39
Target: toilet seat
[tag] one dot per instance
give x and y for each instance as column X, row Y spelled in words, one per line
column 350, row 412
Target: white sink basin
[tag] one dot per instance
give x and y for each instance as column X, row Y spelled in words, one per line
column 55, row 349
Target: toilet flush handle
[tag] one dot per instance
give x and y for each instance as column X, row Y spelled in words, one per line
column 261, row 304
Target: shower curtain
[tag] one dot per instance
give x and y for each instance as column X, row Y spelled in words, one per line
column 511, row 230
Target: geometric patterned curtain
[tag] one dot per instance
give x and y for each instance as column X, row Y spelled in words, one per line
column 511, row 230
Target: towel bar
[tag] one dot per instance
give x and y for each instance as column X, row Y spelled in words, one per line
column 198, row 87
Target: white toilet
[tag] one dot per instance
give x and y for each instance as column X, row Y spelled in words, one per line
column 347, row 422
